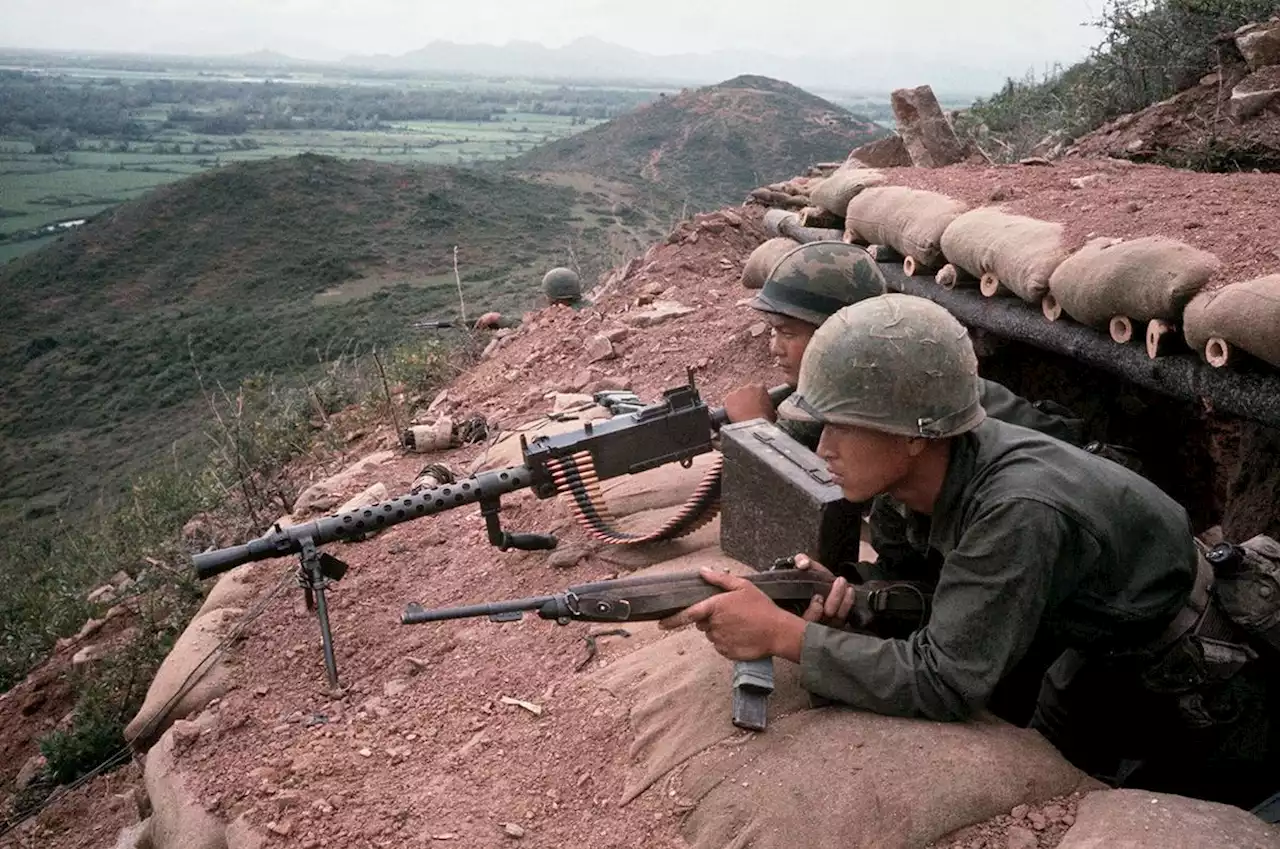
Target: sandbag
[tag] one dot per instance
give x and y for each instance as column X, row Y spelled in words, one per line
column 762, row 260
column 1144, row 279
column 1245, row 314
column 908, row 220
column 179, row 819
column 1021, row 252
column 195, row 663
column 234, row 589
column 847, row 182
column 1137, row 819
column 681, row 699
column 817, row 777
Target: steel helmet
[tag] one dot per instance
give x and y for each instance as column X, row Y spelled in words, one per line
column 894, row 363
column 561, row 285
column 813, row 281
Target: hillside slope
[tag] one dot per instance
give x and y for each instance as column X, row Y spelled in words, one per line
column 711, row 145
column 267, row 266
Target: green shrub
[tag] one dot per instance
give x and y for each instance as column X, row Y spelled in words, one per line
column 1151, row 49
column 423, row 367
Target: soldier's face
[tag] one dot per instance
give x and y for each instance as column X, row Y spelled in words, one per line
column 787, row 340
column 865, row 463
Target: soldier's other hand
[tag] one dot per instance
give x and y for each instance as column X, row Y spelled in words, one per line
column 749, row 402
column 488, row 320
column 833, row 610
column 742, row 623
column 804, row 561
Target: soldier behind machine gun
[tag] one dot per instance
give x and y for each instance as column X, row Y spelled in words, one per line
column 1164, row 676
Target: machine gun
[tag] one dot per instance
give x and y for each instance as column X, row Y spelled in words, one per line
column 675, row 429
column 435, row 324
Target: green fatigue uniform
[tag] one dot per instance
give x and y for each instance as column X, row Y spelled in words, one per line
column 1036, row 536
column 1045, row 550
column 1048, row 552
column 901, row 537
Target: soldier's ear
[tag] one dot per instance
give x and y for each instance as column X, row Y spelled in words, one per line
column 916, row 446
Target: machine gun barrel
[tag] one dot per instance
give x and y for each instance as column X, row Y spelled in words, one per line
column 353, row 523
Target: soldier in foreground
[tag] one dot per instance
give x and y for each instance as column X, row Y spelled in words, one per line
column 1041, row 542
column 805, row 288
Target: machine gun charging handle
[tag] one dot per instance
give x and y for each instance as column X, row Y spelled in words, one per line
column 777, row 395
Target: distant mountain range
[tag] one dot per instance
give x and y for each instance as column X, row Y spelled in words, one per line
column 871, row 69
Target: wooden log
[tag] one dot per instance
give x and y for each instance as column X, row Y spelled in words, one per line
column 884, row 253
column 779, row 222
column 1252, row 395
column 950, row 276
column 1217, row 352
column 815, row 216
column 1121, row 329
column 913, row 267
column 1050, row 307
column 990, row 285
column 1163, row 338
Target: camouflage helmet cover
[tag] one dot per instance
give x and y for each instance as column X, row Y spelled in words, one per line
column 561, row 284
column 895, row 364
column 813, row 281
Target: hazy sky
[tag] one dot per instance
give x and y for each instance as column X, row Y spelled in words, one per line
column 1021, row 32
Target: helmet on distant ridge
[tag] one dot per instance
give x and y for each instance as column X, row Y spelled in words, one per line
column 814, row 281
column 895, row 364
column 561, row 286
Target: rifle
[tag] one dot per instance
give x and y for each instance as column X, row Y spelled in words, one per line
column 642, row 598
column 675, row 429
column 435, row 324
column 646, row 598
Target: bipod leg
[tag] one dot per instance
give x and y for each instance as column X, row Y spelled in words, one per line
column 314, row 581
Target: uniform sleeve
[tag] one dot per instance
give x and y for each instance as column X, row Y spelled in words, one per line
column 1046, row 417
column 990, row 599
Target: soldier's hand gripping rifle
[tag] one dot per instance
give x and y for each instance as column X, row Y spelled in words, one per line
column 675, row 429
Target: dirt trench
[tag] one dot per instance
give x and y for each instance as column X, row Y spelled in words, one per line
column 1223, row 469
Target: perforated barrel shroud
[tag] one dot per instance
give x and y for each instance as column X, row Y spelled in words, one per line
column 777, row 500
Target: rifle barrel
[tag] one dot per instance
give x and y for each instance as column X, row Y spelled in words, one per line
column 416, row 615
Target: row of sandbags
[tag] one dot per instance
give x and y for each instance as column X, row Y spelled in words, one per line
column 1147, row 280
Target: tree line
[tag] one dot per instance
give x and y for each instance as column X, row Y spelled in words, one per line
column 52, row 111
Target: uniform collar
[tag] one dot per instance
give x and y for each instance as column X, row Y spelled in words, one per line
column 949, row 508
